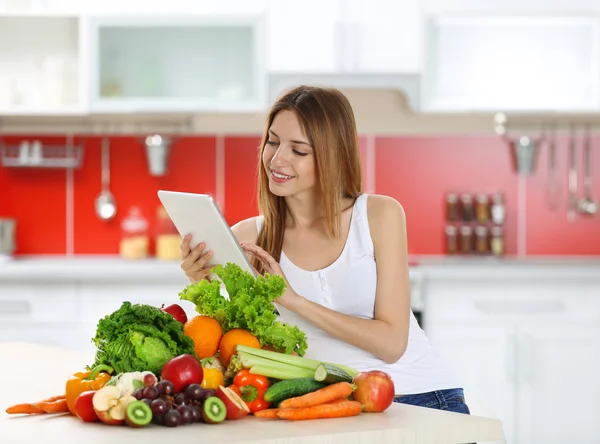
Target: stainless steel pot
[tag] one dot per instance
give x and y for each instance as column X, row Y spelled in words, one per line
column 8, row 230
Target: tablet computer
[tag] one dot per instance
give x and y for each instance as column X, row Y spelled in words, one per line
column 200, row 216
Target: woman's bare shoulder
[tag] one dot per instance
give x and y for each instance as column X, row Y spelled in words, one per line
column 245, row 230
column 384, row 212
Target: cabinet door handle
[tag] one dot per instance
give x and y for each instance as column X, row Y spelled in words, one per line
column 526, row 359
column 15, row 307
column 510, row 358
column 546, row 306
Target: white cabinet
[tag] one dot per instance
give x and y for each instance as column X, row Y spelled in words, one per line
column 40, row 70
column 529, row 351
column 345, row 36
column 48, row 314
column 174, row 63
column 526, row 64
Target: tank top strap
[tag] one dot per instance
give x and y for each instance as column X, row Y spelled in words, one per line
column 259, row 222
column 362, row 233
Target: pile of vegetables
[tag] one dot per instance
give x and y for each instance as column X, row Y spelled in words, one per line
column 249, row 306
column 139, row 337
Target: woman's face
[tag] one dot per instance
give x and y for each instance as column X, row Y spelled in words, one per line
column 288, row 157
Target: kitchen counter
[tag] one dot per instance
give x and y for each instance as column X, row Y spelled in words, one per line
column 22, row 363
column 114, row 269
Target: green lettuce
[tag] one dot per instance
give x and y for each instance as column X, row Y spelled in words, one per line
column 139, row 337
column 250, row 306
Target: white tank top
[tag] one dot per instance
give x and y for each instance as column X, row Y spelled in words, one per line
column 348, row 286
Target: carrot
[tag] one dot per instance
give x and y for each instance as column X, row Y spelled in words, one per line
column 59, row 406
column 39, row 407
column 337, row 410
column 267, row 413
column 335, row 401
column 24, row 409
column 321, row 396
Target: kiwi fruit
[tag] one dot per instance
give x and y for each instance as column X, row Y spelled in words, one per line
column 213, row 410
column 138, row 414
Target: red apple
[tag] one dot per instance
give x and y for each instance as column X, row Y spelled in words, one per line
column 84, row 407
column 374, row 390
column 182, row 371
column 176, row 311
column 236, row 407
column 110, row 405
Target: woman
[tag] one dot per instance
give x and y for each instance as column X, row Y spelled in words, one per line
column 342, row 253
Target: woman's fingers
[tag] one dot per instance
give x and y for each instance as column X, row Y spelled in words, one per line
column 258, row 252
column 185, row 246
column 193, row 256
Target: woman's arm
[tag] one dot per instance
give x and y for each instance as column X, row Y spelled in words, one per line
column 386, row 335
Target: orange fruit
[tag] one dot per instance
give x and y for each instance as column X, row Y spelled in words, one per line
column 233, row 338
column 206, row 333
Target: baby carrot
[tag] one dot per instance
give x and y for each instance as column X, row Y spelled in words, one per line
column 267, row 413
column 337, row 410
column 321, row 396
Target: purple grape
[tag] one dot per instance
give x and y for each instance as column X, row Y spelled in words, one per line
column 186, row 414
column 148, row 401
column 207, row 393
column 151, row 392
column 166, row 387
column 194, row 392
column 181, row 399
column 159, row 407
column 196, row 412
column 171, row 419
column 139, row 394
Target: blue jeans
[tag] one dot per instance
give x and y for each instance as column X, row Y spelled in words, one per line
column 452, row 400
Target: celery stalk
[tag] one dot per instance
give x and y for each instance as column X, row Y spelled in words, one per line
column 274, row 358
column 280, row 371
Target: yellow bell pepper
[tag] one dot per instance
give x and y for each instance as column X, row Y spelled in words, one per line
column 85, row 381
column 213, row 376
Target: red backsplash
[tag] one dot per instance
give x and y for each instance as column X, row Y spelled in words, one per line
column 418, row 171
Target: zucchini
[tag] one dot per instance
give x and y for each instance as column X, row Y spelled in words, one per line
column 331, row 374
column 290, row 388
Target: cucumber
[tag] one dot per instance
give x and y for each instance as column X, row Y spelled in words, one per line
column 331, row 374
column 290, row 388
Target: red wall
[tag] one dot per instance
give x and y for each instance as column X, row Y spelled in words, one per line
column 418, row 171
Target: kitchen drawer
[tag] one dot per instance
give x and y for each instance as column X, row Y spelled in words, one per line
column 99, row 300
column 65, row 336
column 45, row 303
column 502, row 301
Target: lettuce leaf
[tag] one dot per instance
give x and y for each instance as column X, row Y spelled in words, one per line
column 250, row 306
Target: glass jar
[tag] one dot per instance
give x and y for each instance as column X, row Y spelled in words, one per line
column 451, row 239
column 481, row 240
column 134, row 235
column 468, row 209
column 168, row 240
column 452, row 210
column 498, row 209
column 466, row 239
column 482, row 208
column 497, row 241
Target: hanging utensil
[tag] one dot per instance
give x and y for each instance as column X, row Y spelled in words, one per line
column 587, row 204
column 552, row 186
column 572, row 208
column 106, row 208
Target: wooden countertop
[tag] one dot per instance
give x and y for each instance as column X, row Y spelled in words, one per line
column 31, row 372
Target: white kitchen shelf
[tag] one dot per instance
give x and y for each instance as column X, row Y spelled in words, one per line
column 49, row 156
column 176, row 64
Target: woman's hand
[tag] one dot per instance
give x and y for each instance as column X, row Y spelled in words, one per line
column 194, row 261
column 271, row 266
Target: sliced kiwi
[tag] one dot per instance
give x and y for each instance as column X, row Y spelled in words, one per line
column 138, row 414
column 213, row 410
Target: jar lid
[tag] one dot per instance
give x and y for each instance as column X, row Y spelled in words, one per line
column 451, row 230
column 481, row 230
column 466, row 230
column 483, row 198
column 452, row 198
column 466, row 198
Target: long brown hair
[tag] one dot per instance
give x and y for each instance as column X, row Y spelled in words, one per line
column 328, row 122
